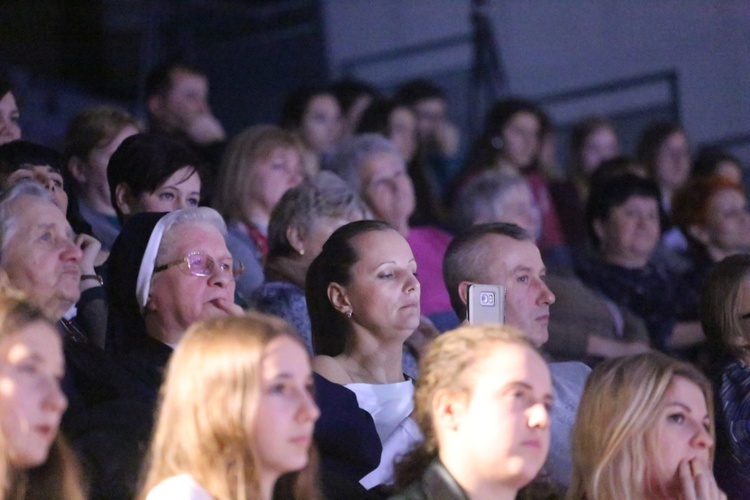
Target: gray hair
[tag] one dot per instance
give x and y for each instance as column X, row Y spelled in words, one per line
column 324, row 195
column 480, row 198
column 199, row 215
column 9, row 216
column 350, row 158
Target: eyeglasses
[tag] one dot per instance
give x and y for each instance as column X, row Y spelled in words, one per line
column 202, row 264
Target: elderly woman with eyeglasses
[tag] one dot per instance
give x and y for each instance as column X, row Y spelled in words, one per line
column 167, row 271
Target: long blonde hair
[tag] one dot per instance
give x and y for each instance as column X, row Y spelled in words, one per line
column 616, row 433
column 59, row 476
column 208, row 404
column 449, row 363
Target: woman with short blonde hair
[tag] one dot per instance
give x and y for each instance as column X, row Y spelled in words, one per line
column 644, row 429
column 236, row 414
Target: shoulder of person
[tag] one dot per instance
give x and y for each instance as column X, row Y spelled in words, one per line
column 569, row 376
column 331, row 369
column 182, row 487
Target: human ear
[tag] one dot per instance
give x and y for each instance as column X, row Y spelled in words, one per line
column 124, row 198
column 154, row 104
column 338, row 298
column 448, row 409
column 598, row 225
column 463, row 291
column 77, row 168
column 296, row 239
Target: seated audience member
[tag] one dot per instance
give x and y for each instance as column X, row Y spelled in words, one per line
column 398, row 122
column 710, row 161
column 439, row 138
column 373, row 166
column 504, row 254
column 592, row 141
column 623, row 222
column 10, row 126
column 91, row 139
column 664, row 150
column 583, row 324
column 644, row 429
column 511, row 143
column 313, row 113
column 482, row 403
column 177, row 102
column 725, row 309
column 167, row 271
column 41, row 259
column 363, row 296
column 153, row 173
column 712, row 212
column 300, row 224
column 35, row 460
column 354, row 97
column 237, row 392
column 260, row 164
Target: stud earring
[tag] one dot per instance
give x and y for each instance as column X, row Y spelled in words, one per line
column 302, row 251
column 348, row 314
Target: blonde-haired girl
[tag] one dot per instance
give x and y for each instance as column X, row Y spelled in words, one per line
column 236, row 414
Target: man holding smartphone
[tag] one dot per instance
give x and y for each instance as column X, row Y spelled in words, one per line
column 505, row 255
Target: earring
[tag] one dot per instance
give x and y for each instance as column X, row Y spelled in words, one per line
column 302, row 251
column 348, row 314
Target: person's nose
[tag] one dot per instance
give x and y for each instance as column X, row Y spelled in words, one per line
column 71, row 251
column 545, row 294
column 54, row 399
column 538, row 416
column 412, row 283
column 220, row 277
column 47, row 182
column 308, row 409
column 702, row 438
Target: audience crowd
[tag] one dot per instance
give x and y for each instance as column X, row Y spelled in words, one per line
column 284, row 313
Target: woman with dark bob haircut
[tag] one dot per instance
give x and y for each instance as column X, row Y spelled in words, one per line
column 153, row 173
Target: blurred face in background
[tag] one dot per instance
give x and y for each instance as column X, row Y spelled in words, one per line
column 387, row 189
column 673, row 162
column 10, row 127
column 271, row 177
column 521, row 139
column 321, row 125
column 402, row 125
column 631, row 231
column 599, row 146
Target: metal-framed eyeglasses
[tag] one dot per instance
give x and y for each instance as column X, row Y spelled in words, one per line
column 202, row 264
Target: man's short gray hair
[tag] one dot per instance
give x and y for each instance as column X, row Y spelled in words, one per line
column 478, row 200
column 9, row 216
column 351, row 157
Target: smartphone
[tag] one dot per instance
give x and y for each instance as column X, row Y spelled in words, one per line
column 486, row 304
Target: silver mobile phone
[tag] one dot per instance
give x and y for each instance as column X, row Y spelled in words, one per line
column 486, row 304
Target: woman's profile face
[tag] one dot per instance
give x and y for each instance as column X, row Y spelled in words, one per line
column 505, row 423
column 383, row 292
column 31, row 401
column 286, row 409
column 10, row 128
column 387, row 188
column 272, row 176
column 683, row 434
column 521, row 139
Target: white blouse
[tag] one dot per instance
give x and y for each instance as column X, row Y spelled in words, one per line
column 182, row 487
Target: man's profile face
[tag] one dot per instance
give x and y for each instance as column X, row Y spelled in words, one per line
column 186, row 99
column 517, row 265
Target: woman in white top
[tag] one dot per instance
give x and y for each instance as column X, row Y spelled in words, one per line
column 363, row 299
column 237, row 413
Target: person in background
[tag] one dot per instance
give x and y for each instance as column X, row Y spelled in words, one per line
column 353, row 96
column 300, row 224
column 34, row 458
column 92, row 138
column 313, row 113
column 725, row 304
column 260, row 164
column 153, row 173
column 246, row 384
column 645, row 429
column 10, row 117
column 663, row 149
column 711, row 161
column 482, row 403
column 439, row 138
